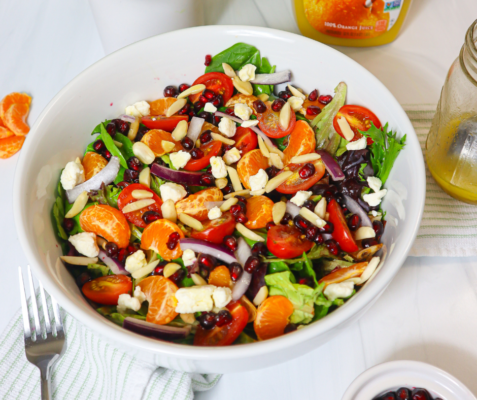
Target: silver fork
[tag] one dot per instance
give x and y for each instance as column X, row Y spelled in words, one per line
column 42, row 350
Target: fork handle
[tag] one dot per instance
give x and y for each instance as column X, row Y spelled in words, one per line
column 45, row 383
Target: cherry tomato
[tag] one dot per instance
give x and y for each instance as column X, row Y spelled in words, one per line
column 359, row 118
column 165, row 123
column 227, row 334
column 295, row 183
column 285, row 241
column 341, row 233
column 218, row 82
column 135, row 217
column 268, row 123
column 245, row 140
column 215, row 230
column 106, row 289
column 210, row 150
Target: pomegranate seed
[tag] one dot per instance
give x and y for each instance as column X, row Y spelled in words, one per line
column 241, row 199
column 325, row 99
column 68, row 224
column 209, row 94
column 420, row 394
column 196, row 154
column 290, row 328
column 131, row 249
column 388, row 396
column 230, row 111
column 111, row 249
column 183, row 86
column 173, row 240
column 150, row 216
column 230, row 242
column 403, row 394
column 284, row 95
column 122, row 184
column 228, row 189
column 236, row 209
column 206, row 136
column 207, row 180
column 131, row 176
column 197, row 107
column 235, row 271
column 272, row 171
column 107, row 155
column 301, row 223
column 134, row 163
column 207, row 261
column 187, row 143
column 313, row 95
column 185, row 110
column 354, row 222
column 286, row 218
column 170, row 91
column 311, row 233
column 259, row 249
column 278, row 104
column 121, row 126
column 378, row 228
column 333, row 247
column 159, row 270
column 269, row 225
column 207, row 116
column 329, row 195
column 240, row 217
column 140, row 133
column 319, row 240
column 111, row 128
column 207, row 320
column 228, row 147
column 83, row 278
column 369, row 243
column 218, row 101
column 251, row 264
column 328, row 228
column 306, row 171
column 208, row 60
column 203, row 100
column 99, row 145
column 223, row 317
column 306, row 281
column 313, row 110
column 178, row 276
column 310, row 205
column 122, row 255
column 259, row 106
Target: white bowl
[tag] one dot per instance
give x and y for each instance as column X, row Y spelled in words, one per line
column 141, row 71
column 396, row 374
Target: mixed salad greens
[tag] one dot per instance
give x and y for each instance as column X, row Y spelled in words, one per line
column 227, row 211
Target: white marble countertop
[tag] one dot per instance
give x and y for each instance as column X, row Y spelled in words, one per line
column 429, row 312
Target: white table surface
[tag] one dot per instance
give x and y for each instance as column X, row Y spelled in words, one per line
column 429, row 312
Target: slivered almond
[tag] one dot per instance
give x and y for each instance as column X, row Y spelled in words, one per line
column 296, row 92
column 248, row 233
column 143, row 152
column 176, row 106
column 277, row 181
column 228, row 203
column 144, row 271
column 79, row 260
column 312, row 217
column 170, row 269
column 192, row 90
column 320, row 208
column 345, row 128
column 168, row 146
column 242, row 87
column 78, row 205
column 133, row 128
column 168, row 210
column 137, row 205
column 145, row 177
column 263, row 147
column 101, row 242
column 275, row 150
column 141, row 194
column 261, row 295
column 220, row 138
column 285, row 115
column 197, row 143
column 198, row 280
column 235, row 179
column 180, row 131
column 275, row 161
column 118, row 144
column 305, row 158
column 278, row 211
column 78, row 161
column 221, row 182
column 257, row 192
column 188, row 318
column 365, row 232
column 327, row 216
column 244, row 193
column 228, row 70
column 190, row 221
column 263, row 96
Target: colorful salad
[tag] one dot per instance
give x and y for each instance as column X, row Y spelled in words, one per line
column 227, row 211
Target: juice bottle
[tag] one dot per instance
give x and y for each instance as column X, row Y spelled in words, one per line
column 357, row 23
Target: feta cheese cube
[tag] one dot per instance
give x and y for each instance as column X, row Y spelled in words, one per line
column 139, row 109
column 136, row 261
column 300, row 197
column 72, row 175
column 125, row 302
column 374, row 183
column 85, row 243
column 258, row 181
column 247, row 73
column 243, row 111
column 232, row 156
column 188, row 257
column 359, row 144
column 209, row 107
column 172, row 191
column 195, row 298
column 179, row 159
column 214, row 213
column 340, row 290
column 138, row 294
column 249, row 123
column 219, row 169
column 227, row 127
column 222, row 296
column 296, row 103
column 373, row 199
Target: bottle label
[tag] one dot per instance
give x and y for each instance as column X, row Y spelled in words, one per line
column 352, row 19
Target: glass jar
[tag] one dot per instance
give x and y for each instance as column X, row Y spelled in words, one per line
column 452, row 140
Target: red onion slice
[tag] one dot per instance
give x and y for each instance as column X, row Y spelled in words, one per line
column 127, row 118
column 215, row 250
column 355, row 208
column 242, row 253
column 115, row 266
column 195, row 128
column 292, row 209
column 331, row 165
column 272, row 79
column 164, row 332
column 106, row 175
column 185, row 177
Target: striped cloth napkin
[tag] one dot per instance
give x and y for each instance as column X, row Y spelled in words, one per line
column 448, row 227
column 91, row 369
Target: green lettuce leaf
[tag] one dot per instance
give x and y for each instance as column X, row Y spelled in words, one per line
column 107, row 195
column 342, row 147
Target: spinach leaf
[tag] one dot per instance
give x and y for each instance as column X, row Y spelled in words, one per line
column 89, row 148
column 97, row 128
column 97, row 270
column 127, row 148
column 120, row 175
column 264, row 68
column 109, row 143
column 58, row 215
column 282, row 142
column 236, row 56
column 308, row 271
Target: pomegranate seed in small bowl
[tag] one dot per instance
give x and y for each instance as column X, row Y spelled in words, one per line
column 313, row 95
column 325, row 99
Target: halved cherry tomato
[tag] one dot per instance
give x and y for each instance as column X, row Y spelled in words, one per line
column 210, row 150
column 341, row 233
column 224, row 335
column 294, row 183
column 268, row 123
column 359, row 118
column 245, row 140
column 285, row 241
column 161, row 122
column 106, row 289
column 215, row 230
column 135, row 217
column 218, row 82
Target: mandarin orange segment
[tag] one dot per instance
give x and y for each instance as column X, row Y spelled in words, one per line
column 220, row 276
column 196, row 204
column 344, row 274
column 259, row 212
column 108, row 222
column 13, row 98
column 250, row 164
column 160, row 294
column 5, row 132
column 11, row 145
column 153, row 139
column 15, row 118
column 156, row 235
column 301, row 141
column 160, row 106
column 93, row 163
column 272, row 317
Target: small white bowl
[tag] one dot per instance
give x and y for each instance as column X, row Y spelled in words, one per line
column 410, row 374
